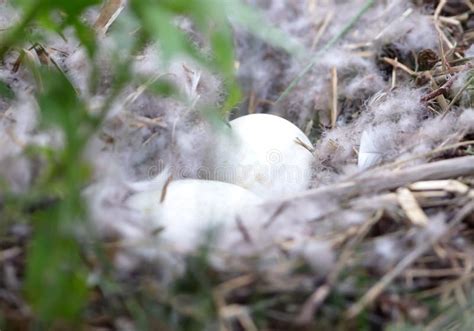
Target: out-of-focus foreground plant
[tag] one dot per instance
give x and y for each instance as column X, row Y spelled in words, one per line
column 56, row 273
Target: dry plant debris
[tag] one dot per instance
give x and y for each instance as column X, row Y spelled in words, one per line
column 384, row 247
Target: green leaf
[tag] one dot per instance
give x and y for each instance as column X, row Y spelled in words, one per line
column 86, row 35
column 55, row 281
column 223, row 50
column 6, row 92
column 72, row 9
column 163, row 87
column 158, row 23
column 59, row 103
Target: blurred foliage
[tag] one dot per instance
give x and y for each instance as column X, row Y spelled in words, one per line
column 56, row 281
column 54, row 265
column 6, row 92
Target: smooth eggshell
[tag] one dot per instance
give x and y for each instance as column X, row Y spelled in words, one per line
column 261, row 153
column 191, row 207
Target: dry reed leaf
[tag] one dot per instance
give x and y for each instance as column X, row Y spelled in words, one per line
column 108, row 14
column 450, row 185
column 410, row 206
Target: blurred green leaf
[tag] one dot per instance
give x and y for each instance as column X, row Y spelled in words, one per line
column 164, row 88
column 223, row 50
column 6, row 92
column 159, row 22
column 86, row 36
column 403, row 326
column 55, row 283
column 55, row 277
column 60, row 105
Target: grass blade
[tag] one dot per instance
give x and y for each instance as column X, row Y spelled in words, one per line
column 327, row 46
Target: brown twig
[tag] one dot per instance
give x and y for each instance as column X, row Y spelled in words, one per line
column 458, row 95
column 395, row 64
column 281, row 207
column 313, row 303
column 439, row 91
column 334, row 97
column 370, row 183
column 165, row 189
column 431, row 153
column 322, row 29
column 377, row 289
column 245, row 233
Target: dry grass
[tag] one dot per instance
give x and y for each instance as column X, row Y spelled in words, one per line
column 417, row 288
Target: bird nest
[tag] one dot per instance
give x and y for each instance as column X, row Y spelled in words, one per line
column 382, row 239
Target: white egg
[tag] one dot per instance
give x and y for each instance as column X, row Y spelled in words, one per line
column 186, row 209
column 265, row 154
